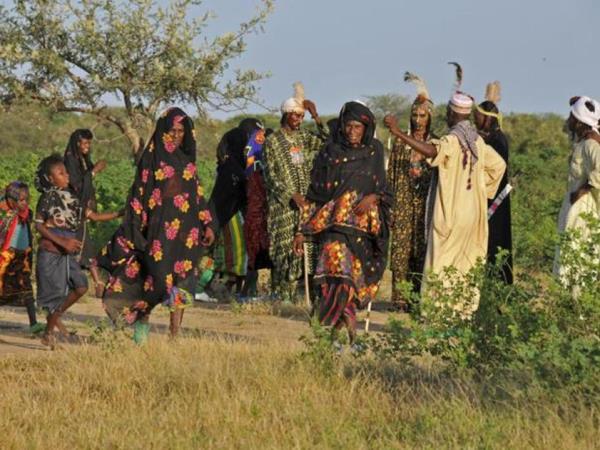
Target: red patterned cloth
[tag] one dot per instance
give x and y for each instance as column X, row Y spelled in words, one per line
column 255, row 223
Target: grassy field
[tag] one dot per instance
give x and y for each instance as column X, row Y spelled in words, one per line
column 209, row 391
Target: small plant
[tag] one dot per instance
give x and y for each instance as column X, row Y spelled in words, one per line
column 322, row 347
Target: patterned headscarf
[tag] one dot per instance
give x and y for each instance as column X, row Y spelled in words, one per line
column 467, row 136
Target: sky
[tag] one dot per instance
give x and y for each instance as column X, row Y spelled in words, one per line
column 542, row 51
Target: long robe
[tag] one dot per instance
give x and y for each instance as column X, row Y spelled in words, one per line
column 584, row 167
column 256, row 232
column 79, row 168
column 500, row 232
column 459, row 233
column 352, row 246
column 152, row 256
column 288, row 158
column 409, row 242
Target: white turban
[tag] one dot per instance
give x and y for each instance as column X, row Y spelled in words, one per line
column 294, row 104
column 461, row 103
column 587, row 110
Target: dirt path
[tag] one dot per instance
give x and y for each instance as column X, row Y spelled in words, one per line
column 252, row 323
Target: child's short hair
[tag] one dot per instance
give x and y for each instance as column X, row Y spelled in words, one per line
column 14, row 189
column 42, row 175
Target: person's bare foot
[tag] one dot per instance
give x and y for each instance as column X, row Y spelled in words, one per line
column 49, row 340
column 63, row 330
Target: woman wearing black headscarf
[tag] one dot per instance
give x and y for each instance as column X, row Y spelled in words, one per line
column 348, row 212
column 228, row 200
column 81, row 170
column 153, row 255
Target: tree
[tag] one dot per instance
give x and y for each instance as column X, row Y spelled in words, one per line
column 72, row 56
column 391, row 103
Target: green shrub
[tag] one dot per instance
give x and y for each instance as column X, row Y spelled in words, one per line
column 548, row 334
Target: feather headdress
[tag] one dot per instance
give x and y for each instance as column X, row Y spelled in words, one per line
column 460, row 102
column 492, row 92
column 422, row 92
column 459, row 76
column 299, row 91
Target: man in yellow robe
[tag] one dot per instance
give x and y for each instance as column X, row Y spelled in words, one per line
column 469, row 172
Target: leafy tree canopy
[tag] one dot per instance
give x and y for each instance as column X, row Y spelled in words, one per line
column 73, row 56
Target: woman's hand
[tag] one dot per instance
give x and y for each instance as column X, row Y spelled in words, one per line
column 298, row 244
column 368, row 202
column 208, row 238
column 99, row 167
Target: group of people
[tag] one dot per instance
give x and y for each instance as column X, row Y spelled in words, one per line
column 322, row 203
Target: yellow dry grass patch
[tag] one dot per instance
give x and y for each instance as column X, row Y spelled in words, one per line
column 205, row 393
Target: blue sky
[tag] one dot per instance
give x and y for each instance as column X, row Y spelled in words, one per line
column 543, row 52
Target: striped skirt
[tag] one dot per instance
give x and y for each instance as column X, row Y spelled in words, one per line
column 231, row 256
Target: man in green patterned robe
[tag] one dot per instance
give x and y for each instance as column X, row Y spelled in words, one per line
column 288, row 157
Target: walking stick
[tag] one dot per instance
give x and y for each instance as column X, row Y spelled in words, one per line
column 306, row 287
column 368, row 317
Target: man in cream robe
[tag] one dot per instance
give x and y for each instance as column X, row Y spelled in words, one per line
column 468, row 173
column 459, row 231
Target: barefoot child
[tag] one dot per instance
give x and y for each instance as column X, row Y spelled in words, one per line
column 60, row 280
column 16, row 251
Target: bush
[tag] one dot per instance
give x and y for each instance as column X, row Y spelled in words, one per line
column 529, row 332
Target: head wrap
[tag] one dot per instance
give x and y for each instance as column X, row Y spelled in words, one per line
column 249, row 126
column 151, row 256
column 294, row 104
column 461, row 103
column 79, row 167
column 359, row 112
column 229, row 192
column 14, row 189
column 587, row 111
column 492, row 95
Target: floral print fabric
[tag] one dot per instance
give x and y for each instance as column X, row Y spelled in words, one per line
column 152, row 256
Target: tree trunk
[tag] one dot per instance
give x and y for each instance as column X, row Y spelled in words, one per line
column 135, row 140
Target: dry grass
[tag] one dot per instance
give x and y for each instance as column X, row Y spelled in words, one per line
column 203, row 393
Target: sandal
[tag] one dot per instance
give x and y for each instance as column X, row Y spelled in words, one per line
column 37, row 328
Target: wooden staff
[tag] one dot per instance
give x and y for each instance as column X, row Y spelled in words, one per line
column 306, row 286
column 368, row 317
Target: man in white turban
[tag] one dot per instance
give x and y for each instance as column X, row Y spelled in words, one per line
column 583, row 184
column 288, row 156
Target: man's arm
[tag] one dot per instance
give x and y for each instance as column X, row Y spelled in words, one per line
column 427, row 150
